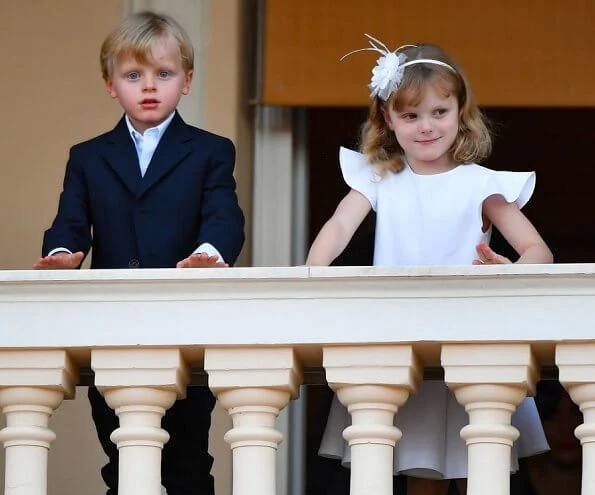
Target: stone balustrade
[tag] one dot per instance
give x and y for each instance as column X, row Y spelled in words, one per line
column 255, row 330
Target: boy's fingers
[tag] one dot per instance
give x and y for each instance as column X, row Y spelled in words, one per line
column 59, row 261
column 201, row 260
column 39, row 265
column 183, row 263
column 78, row 257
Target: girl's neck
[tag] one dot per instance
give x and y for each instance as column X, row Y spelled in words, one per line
column 434, row 167
column 439, row 166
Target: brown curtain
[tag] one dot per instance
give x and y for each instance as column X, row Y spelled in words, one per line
column 515, row 52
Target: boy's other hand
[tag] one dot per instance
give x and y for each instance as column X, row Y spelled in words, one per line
column 60, row 261
column 201, row 260
column 487, row 256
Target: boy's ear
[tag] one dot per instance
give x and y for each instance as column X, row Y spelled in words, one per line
column 187, row 82
column 110, row 88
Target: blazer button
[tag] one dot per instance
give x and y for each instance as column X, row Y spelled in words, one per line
column 133, row 263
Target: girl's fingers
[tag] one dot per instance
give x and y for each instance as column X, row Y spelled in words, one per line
column 487, row 256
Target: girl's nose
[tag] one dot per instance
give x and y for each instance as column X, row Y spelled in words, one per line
column 424, row 126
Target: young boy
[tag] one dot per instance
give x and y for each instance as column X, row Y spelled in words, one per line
column 154, row 192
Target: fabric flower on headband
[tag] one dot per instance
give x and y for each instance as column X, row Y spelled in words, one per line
column 389, row 69
column 387, row 75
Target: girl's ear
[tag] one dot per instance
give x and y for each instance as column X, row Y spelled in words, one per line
column 387, row 118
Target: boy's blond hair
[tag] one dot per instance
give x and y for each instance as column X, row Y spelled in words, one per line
column 135, row 36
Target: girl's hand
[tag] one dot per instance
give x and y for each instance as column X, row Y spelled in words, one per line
column 487, row 256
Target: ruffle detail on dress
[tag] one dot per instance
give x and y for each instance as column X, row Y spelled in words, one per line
column 515, row 187
column 358, row 174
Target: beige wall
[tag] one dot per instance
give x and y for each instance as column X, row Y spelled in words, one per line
column 53, row 97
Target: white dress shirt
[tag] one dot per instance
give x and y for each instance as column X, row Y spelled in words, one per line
column 147, row 142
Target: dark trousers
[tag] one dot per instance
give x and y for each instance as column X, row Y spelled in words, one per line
column 185, row 463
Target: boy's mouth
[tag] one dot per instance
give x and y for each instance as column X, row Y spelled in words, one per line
column 149, row 103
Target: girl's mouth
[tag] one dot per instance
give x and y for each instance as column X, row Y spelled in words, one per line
column 427, row 141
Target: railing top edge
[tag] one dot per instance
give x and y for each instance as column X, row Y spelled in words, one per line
column 297, row 273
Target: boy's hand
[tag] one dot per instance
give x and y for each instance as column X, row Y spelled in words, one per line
column 201, row 260
column 487, row 256
column 60, row 261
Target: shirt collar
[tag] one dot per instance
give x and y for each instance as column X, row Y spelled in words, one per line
column 158, row 130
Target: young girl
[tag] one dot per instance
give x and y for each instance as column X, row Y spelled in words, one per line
column 434, row 206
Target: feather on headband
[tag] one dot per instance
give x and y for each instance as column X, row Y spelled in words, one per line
column 389, row 69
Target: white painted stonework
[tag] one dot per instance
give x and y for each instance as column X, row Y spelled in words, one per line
column 255, row 330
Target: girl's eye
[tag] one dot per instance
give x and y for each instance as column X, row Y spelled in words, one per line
column 133, row 76
column 440, row 111
column 409, row 116
column 163, row 74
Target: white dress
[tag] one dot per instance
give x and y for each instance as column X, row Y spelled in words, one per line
column 432, row 220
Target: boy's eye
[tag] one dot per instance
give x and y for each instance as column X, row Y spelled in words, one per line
column 133, row 76
column 163, row 74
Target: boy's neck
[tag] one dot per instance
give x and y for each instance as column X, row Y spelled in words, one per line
column 161, row 125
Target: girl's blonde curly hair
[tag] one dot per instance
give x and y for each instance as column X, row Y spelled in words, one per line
column 473, row 142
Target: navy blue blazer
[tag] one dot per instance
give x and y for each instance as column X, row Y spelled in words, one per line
column 186, row 197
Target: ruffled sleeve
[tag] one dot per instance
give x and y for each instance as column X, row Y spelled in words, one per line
column 515, row 187
column 358, row 174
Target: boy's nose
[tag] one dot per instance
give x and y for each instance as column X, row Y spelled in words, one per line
column 149, row 84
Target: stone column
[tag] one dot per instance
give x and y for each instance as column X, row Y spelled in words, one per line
column 140, row 385
column 253, row 384
column 32, row 386
column 576, row 363
column 372, row 382
column 490, row 380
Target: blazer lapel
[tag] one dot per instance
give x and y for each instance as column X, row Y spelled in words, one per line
column 173, row 147
column 121, row 156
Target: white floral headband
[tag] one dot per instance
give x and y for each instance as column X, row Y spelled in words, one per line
column 389, row 69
